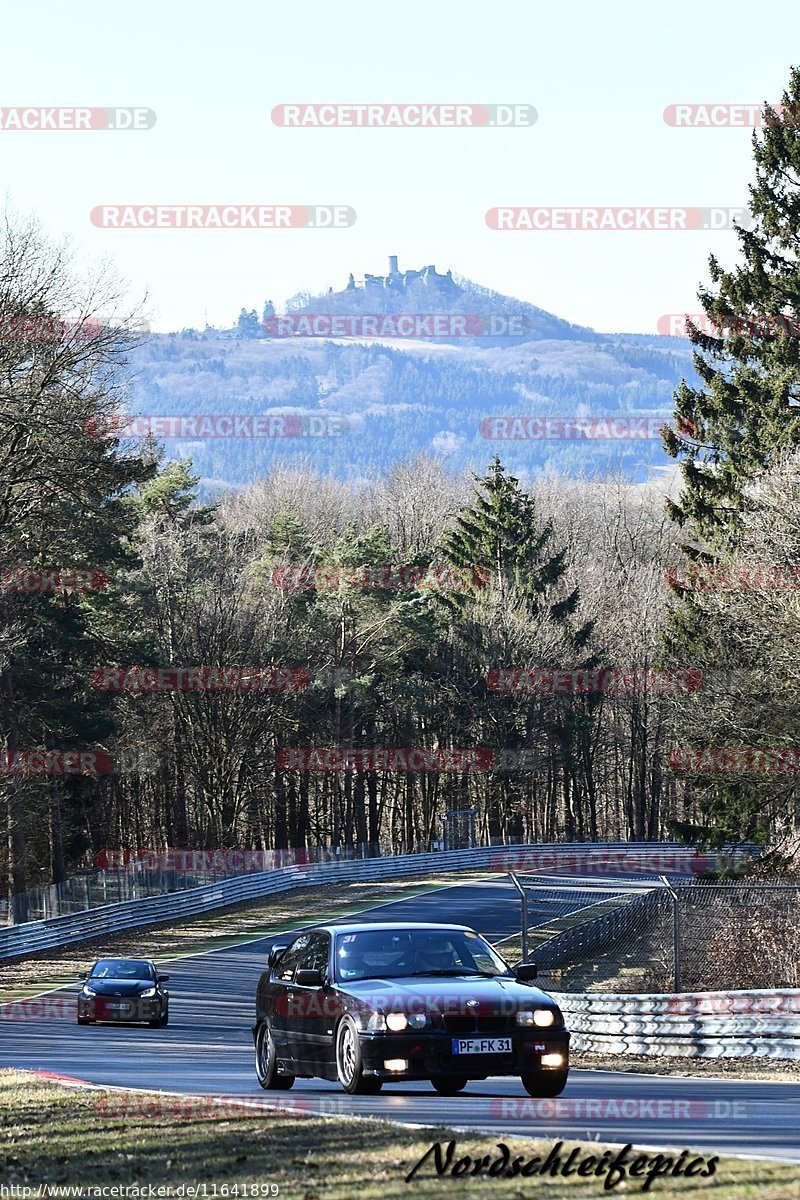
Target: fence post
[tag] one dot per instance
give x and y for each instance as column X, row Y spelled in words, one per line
column 524, row 902
column 676, row 933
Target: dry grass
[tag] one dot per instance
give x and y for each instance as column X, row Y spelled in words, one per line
column 55, row 1135
column 773, row 1070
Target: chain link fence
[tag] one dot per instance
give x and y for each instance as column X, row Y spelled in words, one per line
column 682, row 937
column 154, row 876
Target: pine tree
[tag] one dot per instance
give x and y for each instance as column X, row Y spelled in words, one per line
column 500, row 535
column 509, row 618
column 731, row 427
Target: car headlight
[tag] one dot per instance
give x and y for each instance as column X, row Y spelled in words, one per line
column 87, row 991
column 395, row 1022
column 536, row 1016
column 147, row 993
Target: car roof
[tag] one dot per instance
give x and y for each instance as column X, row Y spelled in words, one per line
column 380, row 926
column 123, row 958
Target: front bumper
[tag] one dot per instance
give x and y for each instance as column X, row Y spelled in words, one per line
column 431, row 1053
column 125, row 1008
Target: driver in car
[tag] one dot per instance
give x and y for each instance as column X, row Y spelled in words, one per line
column 437, row 955
column 352, row 963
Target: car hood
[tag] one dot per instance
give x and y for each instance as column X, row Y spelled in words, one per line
column 446, row 994
column 119, row 987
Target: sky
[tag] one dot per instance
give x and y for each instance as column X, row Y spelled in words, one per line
column 599, row 76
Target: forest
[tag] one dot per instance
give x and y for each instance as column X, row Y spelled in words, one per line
column 322, row 655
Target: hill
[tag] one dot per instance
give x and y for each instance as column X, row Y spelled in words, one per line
column 392, row 388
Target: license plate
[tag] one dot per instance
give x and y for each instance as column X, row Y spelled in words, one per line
column 119, row 1007
column 482, row 1045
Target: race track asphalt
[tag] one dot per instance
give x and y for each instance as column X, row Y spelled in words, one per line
column 207, row 1051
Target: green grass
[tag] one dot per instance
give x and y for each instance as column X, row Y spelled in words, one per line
column 58, row 1135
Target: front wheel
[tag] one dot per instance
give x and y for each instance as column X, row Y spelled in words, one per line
column 267, row 1062
column 543, row 1086
column 86, row 1021
column 349, row 1067
column 449, row 1085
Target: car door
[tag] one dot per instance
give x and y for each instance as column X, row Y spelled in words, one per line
column 282, row 1015
column 309, row 1037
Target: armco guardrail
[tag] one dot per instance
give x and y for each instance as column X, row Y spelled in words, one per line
column 27, row 938
column 134, row 875
column 599, row 933
column 746, row 1024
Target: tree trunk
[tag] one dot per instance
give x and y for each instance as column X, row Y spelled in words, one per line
column 18, row 879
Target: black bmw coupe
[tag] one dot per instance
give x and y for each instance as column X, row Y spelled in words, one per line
column 369, row 1004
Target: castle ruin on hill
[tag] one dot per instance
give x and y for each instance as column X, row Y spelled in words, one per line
column 399, row 280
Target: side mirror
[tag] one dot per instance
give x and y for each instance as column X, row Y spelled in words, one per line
column 308, row 977
column 81, row 974
column 526, row 971
column 162, row 978
column 274, row 954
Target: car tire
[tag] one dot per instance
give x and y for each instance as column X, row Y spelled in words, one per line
column 349, row 1067
column 86, row 1020
column 542, row 1086
column 449, row 1085
column 160, row 1022
column 267, row 1062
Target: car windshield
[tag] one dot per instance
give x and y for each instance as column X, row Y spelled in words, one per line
column 123, row 968
column 399, row 953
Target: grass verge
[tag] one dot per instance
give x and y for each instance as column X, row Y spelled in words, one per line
column 765, row 1070
column 60, row 1136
